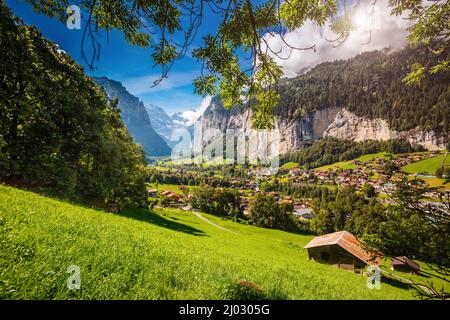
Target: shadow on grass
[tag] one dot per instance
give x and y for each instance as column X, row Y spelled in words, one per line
column 178, row 219
column 161, row 221
column 395, row 283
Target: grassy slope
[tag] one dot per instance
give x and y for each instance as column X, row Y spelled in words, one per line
column 148, row 256
column 162, row 187
column 350, row 164
column 428, row 165
column 289, row 165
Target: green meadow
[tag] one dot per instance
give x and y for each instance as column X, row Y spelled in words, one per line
column 163, row 187
column 429, row 165
column 350, row 164
column 167, row 254
column 289, row 165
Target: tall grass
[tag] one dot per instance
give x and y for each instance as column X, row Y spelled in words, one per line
column 164, row 255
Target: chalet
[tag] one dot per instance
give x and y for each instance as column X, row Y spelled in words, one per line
column 404, row 264
column 172, row 196
column 152, row 192
column 341, row 249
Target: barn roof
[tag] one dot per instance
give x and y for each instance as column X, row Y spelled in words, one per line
column 403, row 260
column 346, row 241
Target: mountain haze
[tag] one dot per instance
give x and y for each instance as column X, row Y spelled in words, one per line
column 163, row 123
column 135, row 116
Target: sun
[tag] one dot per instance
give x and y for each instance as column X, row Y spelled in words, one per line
column 362, row 21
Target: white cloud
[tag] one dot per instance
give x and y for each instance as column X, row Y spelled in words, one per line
column 192, row 115
column 387, row 31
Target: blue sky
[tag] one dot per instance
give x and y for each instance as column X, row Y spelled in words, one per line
column 119, row 61
column 133, row 66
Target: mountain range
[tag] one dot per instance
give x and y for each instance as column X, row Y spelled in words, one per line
column 136, row 118
column 358, row 99
column 164, row 124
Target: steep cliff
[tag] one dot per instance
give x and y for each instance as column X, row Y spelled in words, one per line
column 359, row 98
column 136, row 118
column 333, row 122
column 347, row 125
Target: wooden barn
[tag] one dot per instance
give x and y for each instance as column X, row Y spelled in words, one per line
column 341, row 249
column 172, row 196
column 405, row 264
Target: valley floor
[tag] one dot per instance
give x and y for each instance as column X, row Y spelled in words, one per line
column 170, row 254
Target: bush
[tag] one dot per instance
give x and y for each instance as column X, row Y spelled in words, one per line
column 243, row 290
column 266, row 212
column 443, row 173
column 152, row 203
column 222, row 202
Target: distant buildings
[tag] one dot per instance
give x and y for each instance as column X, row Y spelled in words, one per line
column 171, row 196
column 370, row 172
column 303, row 212
column 405, row 264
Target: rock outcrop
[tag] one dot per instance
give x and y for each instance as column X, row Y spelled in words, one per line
column 135, row 117
column 331, row 122
column 347, row 125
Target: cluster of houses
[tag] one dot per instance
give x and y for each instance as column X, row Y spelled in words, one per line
column 170, row 196
column 302, row 209
column 370, row 172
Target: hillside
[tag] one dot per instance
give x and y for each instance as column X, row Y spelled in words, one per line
column 370, row 85
column 359, row 98
column 59, row 133
column 143, row 255
column 428, row 166
column 135, row 116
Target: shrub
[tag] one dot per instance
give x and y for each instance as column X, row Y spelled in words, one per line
column 243, row 290
column 266, row 212
column 222, row 202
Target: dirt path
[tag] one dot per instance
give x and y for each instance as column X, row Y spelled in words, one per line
column 211, row 223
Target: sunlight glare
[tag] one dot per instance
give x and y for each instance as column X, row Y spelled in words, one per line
column 362, row 21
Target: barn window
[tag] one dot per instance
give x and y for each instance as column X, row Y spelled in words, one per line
column 325, row 256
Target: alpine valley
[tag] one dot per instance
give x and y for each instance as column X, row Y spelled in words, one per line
column 102, row 199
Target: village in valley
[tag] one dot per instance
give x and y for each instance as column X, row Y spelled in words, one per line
column 379, row 171
column 299, row 190
column 251, row 151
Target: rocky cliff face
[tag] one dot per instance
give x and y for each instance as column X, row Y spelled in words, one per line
column 136, row 118
column 359, row 98
column 347, row 125
column 334, row 122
